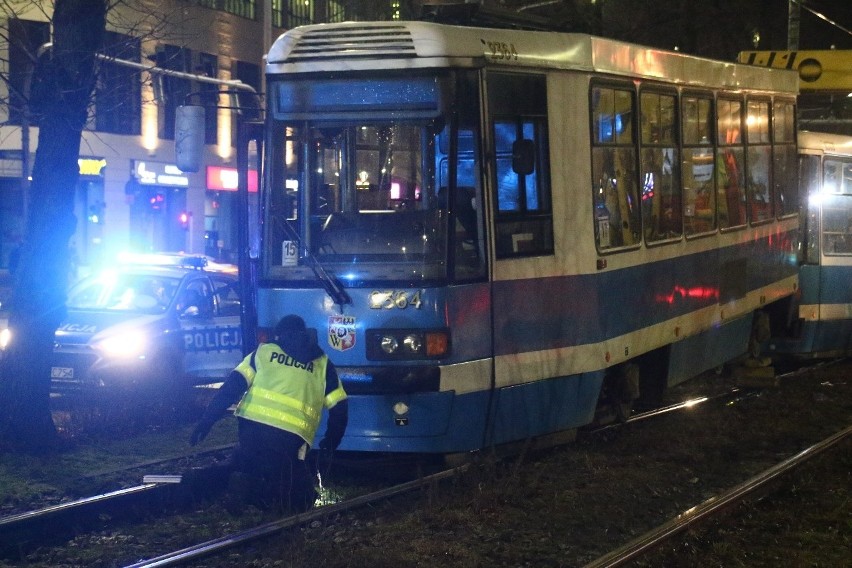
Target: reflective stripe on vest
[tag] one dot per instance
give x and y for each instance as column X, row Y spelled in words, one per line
column 284, row 393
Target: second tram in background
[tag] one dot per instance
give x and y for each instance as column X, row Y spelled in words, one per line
column 820, row 323
column 495, row 233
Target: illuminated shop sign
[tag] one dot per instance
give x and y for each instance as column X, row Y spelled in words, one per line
column 159, row 173
column 226, row 179
column 92, row 166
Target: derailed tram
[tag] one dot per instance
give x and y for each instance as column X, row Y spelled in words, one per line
column 820, row 323
column 494, row 233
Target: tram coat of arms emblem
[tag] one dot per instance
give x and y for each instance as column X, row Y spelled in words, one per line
column 341, row 332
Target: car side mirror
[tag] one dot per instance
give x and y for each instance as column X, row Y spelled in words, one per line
column 191, row 312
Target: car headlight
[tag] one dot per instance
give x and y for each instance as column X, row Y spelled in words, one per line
column 123, row 345
column 5, row 338
column 407, row 344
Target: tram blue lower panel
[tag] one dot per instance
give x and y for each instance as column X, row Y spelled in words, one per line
column 444, row 422
column 534, row 409
column 437, row 422
column 708, row 349
column 817, row 339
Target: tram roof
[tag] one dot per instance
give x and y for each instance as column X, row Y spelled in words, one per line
column 361, row 46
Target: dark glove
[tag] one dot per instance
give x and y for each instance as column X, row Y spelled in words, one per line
column 200, row 432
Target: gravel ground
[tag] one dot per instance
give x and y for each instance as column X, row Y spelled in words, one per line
column 569, row 505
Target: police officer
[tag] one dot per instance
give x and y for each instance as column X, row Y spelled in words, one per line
column 284, row 386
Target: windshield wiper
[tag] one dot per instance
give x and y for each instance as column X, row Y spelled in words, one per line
column 332, row 285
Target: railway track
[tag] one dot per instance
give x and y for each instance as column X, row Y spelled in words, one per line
column 715, row 506
column 159, row 491
column 707, row 510
column 241, row 537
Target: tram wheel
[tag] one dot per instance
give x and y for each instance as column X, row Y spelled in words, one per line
column 623, row 391
column 619, row 391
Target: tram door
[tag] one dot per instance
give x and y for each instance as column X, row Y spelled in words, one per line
column 836, row 251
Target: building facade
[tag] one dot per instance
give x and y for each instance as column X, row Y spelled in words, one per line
column 131, row 196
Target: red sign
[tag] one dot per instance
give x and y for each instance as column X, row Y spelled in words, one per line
column 225, row 179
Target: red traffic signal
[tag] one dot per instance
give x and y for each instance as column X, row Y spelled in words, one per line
column 183, row 218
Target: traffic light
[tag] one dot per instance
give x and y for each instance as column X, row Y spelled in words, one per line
column 156, row 200
column 184, row 218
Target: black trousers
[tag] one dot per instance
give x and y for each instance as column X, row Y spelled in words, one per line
column 270, row 459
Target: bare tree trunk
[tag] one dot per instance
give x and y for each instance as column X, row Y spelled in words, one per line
column 61, row 98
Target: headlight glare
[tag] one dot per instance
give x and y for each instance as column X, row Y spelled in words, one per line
column 5, row 338
column 131, row 344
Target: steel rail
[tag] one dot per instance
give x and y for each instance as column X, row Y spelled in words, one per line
column 11, row 520
column 714, row 505
column 735, row 394
column 268, row 529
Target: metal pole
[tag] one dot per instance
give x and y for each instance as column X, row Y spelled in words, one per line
column 247, row 132
column 793, row 19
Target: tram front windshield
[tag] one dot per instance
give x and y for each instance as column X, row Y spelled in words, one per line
column 360, row 199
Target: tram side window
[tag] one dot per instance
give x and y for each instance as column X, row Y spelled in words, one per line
column 837, row 208
column 283, row 200
column 617, row 217
column 784, row 158
column 730, row 164
column 660, row 161
column 699, row 167
column 758, row 162
column 524, row 219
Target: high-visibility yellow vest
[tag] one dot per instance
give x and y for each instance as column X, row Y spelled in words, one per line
column 284, row 393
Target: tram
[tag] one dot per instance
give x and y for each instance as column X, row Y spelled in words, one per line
column 820, row 321
column 495, row 233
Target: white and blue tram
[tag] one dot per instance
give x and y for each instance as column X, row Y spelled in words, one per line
column 493, row 231
column 821, row 319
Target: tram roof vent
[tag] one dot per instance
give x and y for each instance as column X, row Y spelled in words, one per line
column 353, row 42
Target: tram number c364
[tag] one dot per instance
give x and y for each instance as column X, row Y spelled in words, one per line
column 501, row 50
column 391, row 299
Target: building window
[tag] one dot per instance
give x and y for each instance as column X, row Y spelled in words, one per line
column 292, row 13
column 118, row 104
column 243, row 8
column 249, row 103
column 176, row 91
column 208, row 66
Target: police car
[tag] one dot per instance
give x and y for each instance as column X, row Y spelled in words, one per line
column 155, row 321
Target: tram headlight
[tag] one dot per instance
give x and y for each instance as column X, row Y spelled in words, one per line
column 407, row 344
column 389, row 344
column 414, row 343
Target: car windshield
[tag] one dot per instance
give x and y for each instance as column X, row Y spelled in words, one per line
column 114, row 291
